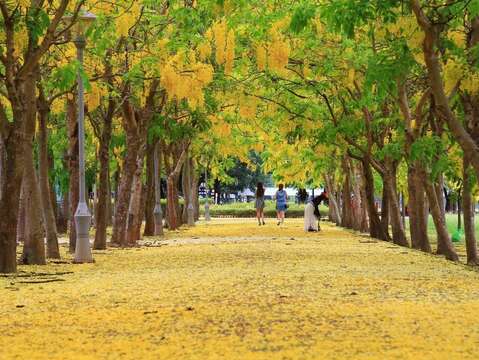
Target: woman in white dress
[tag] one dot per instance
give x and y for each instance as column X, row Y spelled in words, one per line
column 311, row 213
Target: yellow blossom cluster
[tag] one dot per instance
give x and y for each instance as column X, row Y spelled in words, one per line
column 184, row 78
column 261, row 57
column 93, row 97
column 230, row 52
column 219, row 32
column 224, row 42
column 278, row 53
column 204, row 51
column 128, row 19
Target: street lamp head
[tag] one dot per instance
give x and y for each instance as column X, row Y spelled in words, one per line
column 84, row 20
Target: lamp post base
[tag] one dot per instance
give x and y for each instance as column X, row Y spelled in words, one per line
column 82, row 222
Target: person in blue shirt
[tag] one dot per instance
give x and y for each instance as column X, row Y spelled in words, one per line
column 281, row 203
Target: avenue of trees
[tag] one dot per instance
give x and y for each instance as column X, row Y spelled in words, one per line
column 370, row 98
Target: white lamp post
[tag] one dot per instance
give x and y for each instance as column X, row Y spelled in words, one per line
column 82, row 215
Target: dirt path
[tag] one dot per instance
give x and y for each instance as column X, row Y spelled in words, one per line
column 233, row 290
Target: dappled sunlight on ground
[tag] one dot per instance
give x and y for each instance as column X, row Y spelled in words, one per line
column 231, row 289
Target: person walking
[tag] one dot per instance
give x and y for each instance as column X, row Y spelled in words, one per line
column 281, row 203
column 259, row 203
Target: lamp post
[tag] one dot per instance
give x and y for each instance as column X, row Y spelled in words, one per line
column 82, row 215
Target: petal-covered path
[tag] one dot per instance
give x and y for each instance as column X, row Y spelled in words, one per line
column 234, row 290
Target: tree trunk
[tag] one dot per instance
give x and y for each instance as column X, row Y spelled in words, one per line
column 158, row 210
column 385, row 212
column 335, row 215
column 195, row 191
column 13, row 148
column 63, row 212
column 173, row 210
column 150, row 191
column 171, row 196
column 399, row 235
column 34, row 245
column 346, row 215
column 468, row 209
column 185, row 188
column 375, row 228
column 356, row 201
column 124, row 192
column 417, row 211
column 21, row 217
column 134, row 218
column 364, row 213
column 102, row 211
column 2, row 166
column 141, row 212
column 190, row 208
column 443, row 238
column 73, row 169
column 49, row 220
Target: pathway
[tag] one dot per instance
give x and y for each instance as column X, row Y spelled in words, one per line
column 233, row 290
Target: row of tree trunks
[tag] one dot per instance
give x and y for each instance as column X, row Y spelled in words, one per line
column 20, row 86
